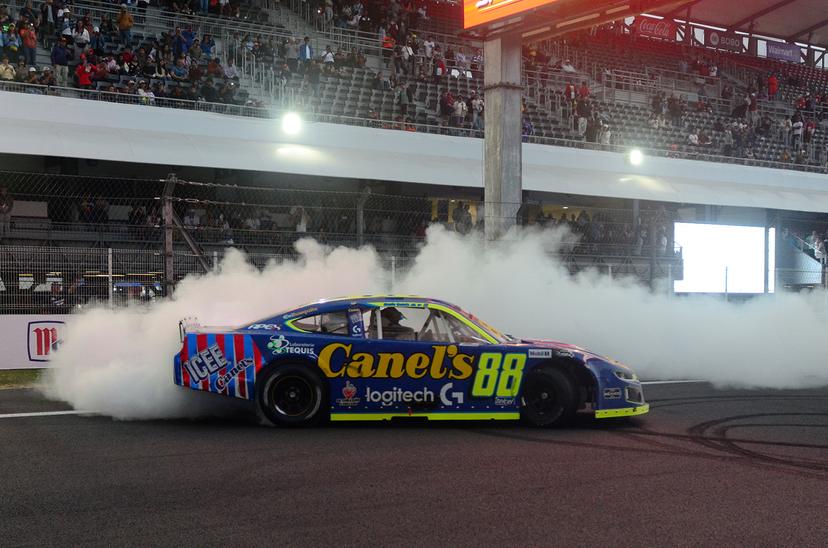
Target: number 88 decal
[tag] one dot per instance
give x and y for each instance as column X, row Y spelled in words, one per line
column 498, row 375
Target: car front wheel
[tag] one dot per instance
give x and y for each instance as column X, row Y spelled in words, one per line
column 549, row 398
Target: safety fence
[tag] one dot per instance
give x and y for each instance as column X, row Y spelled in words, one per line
column 116, row 239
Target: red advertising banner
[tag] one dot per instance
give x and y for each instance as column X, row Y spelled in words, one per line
column 656, row 28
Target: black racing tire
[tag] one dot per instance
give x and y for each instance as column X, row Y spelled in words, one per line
column 291, row 395
column 549, row 398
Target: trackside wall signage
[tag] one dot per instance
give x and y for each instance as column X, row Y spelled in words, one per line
column 29, row 341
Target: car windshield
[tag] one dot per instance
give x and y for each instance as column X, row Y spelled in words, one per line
column 493, row 332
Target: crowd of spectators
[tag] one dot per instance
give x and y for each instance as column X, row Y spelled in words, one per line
column 102, row 54
column 811, row 242
column 602, row 232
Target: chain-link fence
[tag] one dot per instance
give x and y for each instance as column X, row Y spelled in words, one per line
column 72, row 240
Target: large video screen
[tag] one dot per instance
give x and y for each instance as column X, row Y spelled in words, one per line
column 480, row 12
column 721, row 258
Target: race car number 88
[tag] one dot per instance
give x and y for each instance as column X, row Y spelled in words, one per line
column 498, row 375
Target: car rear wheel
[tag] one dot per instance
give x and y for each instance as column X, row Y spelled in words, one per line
column 291, row 395
column 549, row 398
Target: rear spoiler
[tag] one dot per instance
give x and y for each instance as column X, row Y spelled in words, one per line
column 187, row 325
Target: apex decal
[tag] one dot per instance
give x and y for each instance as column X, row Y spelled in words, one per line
column 337, row 360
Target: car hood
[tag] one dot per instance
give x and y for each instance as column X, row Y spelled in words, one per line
column 564, row 349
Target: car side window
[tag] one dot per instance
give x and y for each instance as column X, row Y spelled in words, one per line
column 405, row 324
column 332, row 323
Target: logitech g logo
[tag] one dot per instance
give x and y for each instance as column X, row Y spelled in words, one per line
column 449, row 399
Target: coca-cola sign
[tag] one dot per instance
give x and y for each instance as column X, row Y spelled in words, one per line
column 723, row 40
column 656, row 28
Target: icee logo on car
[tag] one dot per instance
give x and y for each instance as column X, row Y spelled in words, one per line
column 280, row 345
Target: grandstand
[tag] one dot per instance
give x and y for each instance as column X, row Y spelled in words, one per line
column 384, row 66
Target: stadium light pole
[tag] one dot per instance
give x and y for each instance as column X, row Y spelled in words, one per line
column 502, row 154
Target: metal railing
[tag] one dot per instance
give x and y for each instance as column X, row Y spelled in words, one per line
column 257, row 112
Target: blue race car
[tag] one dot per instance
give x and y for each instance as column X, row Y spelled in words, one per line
column 387, row 357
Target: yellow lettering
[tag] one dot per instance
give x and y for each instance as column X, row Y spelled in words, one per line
column 385, row 358
column 462, row 364
column 362, row 365
column 398, row 367
column 437, row 369
column 325, row 355
column 416, row 365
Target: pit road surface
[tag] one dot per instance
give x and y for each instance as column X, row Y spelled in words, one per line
column 704, row 467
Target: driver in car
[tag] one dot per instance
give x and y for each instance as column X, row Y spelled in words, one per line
column 391, row 328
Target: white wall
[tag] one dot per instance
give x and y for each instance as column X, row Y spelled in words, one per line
column 87, row 129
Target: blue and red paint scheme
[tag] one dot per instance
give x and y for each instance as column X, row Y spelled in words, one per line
column 375, row 379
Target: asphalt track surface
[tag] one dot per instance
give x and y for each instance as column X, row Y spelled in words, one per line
column 705, row 467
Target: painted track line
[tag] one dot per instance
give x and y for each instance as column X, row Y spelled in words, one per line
column 673, row 382
column 42, row 414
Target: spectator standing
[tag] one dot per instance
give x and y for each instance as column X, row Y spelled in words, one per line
column 773, row 86
column 6, row 205
column 460, row 112
column 403, row 99
column 48, row 18
column 125, row 24
column 28, row 39
column 305, row 54
column 753, row 109
column 796, row 130
column 84, row 72
column 583, row 91
column 477, row 107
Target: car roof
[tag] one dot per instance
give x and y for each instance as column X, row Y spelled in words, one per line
column 370, row 300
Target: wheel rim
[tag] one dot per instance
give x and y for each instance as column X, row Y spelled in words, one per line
column 292, row 396
column 540, row 399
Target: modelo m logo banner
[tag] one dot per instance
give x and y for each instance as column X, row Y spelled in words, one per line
column 784, row 52
column 29, row 341
column 656, row 28
column 723, row 40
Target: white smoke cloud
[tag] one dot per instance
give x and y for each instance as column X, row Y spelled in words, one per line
column 119, row 362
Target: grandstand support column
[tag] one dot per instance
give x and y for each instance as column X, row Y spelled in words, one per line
column 169, row 269
column 360, row 215
column 502, row 144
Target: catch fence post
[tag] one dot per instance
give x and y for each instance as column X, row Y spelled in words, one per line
column 393, row 272
column 109, row 274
